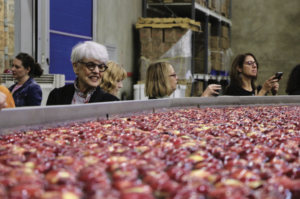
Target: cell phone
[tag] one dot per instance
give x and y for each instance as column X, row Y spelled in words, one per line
column 278, row 75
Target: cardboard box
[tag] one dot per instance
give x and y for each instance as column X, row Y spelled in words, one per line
column 225, row 10
column 158, row 48
column 9, row 11
column 223, row 31
column 226, row 2
column 11, row 40
column 200, row 52
column 216, row 65
column 182, row 1
column 224, row 43
column 199, row 65
column 188, row 84
column 146, row 49
column 179, row 32
column 214, row 42
column 2, row 10
column 199, row 37
column 2, row 37
column 2, row 61
column 158, row 1
column 157, row 35
column 167, row 46
column 203, row 28
column 215, row 55
column 145, row 35
column 188, row 89
column 198, row 88
column 170, row 35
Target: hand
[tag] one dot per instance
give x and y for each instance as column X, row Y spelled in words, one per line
column 2, row 100
column 275, row 88
column 211, row 89
column 269, row 84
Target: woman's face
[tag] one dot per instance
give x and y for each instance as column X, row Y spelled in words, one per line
column 18, row 70
column 87, row 78
column 119, row 85
column 172, row 78
column 249, row 67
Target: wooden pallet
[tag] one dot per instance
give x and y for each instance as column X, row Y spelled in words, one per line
column 163, row 26
column 168, row 23
column 159, row 1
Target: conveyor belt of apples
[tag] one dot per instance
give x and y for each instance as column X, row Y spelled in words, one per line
column 214, row 148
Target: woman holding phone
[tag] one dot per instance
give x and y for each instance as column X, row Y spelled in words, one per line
column 161, row 82
column 243, row 74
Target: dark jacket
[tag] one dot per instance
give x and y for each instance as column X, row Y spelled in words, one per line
column 30, row 94
column 295, row 93
column 64, row 96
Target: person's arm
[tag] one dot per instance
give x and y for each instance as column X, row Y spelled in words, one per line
column 34, row 95
column 210, row 90
column 268, row 85
column 2, row 100
column 275, row 88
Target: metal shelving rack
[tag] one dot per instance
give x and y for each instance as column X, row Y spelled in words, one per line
column 197, row 12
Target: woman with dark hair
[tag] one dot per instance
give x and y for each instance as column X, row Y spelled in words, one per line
column 293, row 84
column 26, row 92
column 243, row 75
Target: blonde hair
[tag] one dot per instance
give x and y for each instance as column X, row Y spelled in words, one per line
column 113, row 73
column 157, row 81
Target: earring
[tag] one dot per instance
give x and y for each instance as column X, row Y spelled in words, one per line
column 240, row 75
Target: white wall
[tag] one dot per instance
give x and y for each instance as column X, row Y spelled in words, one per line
column 23, row 26
column 116, row 26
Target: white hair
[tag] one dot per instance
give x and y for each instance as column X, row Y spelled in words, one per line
column 89, row 50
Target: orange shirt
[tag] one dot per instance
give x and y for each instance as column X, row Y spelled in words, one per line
column 9, row 98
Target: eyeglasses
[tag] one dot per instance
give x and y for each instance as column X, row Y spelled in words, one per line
column 91, row 66
column 250, row 63
column 173, row 75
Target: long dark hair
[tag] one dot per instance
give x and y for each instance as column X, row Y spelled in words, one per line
column 28, row 62
column 234, row 73
column 293, row 83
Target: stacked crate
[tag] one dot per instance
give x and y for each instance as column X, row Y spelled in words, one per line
column 175, row 1
column 158, row 36
column 2, row 39
column 7, row 29
column 218, row 50
column 225, row 8
column 199, row 61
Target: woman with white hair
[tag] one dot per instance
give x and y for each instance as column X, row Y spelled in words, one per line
column 89, row 63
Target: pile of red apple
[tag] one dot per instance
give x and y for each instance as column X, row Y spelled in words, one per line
column 228, row 153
